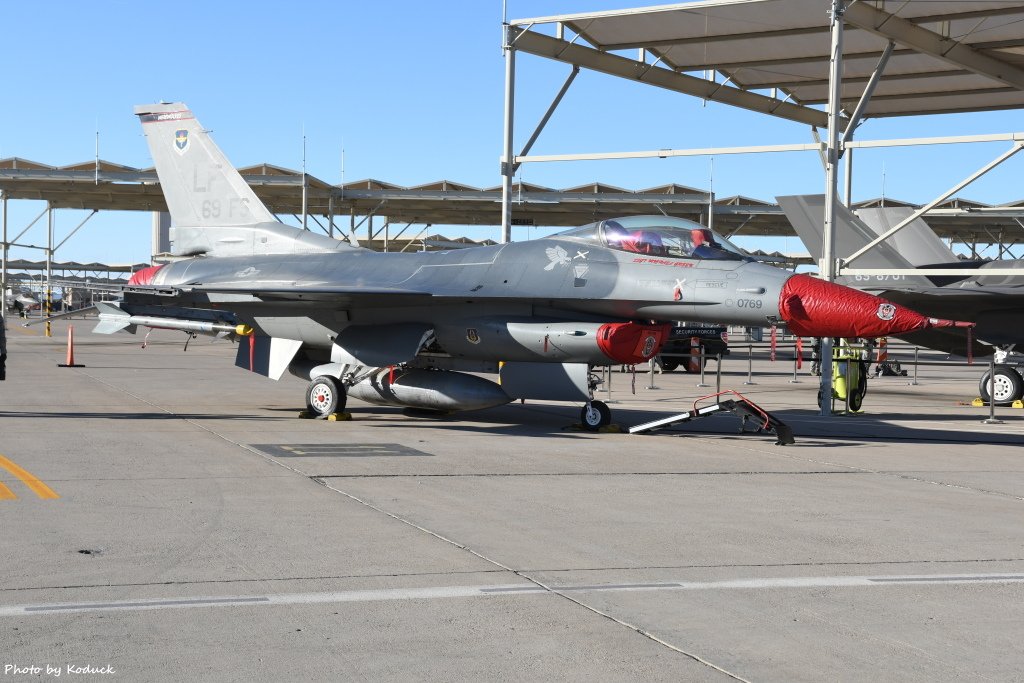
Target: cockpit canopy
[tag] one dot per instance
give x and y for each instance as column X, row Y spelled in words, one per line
column 658, row 236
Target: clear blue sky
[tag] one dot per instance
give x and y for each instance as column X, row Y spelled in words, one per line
column 412, row 91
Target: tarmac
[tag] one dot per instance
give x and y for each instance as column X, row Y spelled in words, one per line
column 166, row 516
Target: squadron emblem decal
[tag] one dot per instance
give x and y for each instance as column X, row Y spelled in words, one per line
column 558, row 257
column 180, row 141
column 472, row 336
column 886, row 311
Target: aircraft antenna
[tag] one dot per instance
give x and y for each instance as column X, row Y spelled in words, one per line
column 96, row 178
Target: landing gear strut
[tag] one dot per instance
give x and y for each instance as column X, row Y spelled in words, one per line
column 325, row 396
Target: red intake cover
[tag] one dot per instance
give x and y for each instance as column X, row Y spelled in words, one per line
column 631, row 343
column 816, row 308
column 144, row 276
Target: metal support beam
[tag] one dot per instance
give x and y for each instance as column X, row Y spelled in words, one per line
column 508, row 169
column 3, row 256
column 848, row 178
column 616, row 65
column 865, row 97
column 49, row 266
column 923, row 210
column 29, row 226
column 894, row 28
column 827, row 268
column 547, row 116
column 77, row 228
column 666, row 153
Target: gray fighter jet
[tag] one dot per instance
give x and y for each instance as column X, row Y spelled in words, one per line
column 407, row 329
column 21, row 302
column 995, row 303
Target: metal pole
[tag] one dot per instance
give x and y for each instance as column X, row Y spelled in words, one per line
column 991, row 394
column 650, row 385
column 3, row 267
column 330, row 215
column 608, row 384
column 507, row 165
column 750, row 365
column 700, row 360
column 718, row 373
column 304, row 183
column 848, row 178
column 794, row 380
column 828, row 260
column 913, row 382
column 49, row 265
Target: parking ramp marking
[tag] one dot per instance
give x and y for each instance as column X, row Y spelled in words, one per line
column 30, row 480
column 6, row 493
column 494, row 591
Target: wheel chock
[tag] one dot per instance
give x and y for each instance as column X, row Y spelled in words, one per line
column 306, row 415
column 978, row 403
column 1017, row 404
column 339, row 417
column 607, row 429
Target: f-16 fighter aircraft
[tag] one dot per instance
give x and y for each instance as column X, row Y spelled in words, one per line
column 405, row 329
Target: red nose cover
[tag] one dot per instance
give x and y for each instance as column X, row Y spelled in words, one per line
column 816, row 308
column 144, row 276
column 631, row 343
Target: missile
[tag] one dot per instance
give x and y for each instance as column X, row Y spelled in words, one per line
column 429, row 390
column 110, row 323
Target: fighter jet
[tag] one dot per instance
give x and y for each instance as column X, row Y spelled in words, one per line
column 994, row 303
column 21, row 302
column 407, row 329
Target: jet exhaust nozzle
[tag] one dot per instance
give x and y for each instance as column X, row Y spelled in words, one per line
column 817, row 308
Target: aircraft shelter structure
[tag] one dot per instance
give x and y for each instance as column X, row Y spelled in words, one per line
column 829, row 64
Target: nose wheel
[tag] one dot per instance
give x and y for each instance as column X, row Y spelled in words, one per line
column 325, row 396
column 594, row 415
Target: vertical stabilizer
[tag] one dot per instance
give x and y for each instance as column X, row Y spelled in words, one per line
column 200, row 185
column 213, row 209
column 806, row 213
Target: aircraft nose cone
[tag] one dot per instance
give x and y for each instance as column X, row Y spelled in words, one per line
column 816, row 308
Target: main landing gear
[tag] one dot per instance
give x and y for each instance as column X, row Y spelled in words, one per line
column 1006, row 386
column 325, row 396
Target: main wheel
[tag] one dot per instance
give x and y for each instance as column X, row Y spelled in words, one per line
column 595, row 415
column 668, row 365
column 325, row 395
column 1007, row 386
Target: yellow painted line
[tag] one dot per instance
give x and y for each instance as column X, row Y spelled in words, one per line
column 6, row 493
column 30, row 480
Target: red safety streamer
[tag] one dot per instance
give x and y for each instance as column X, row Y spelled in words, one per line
column 970, row 346
column 252, row 353
column 774, row 341
column 391, row 374
column 799, row 353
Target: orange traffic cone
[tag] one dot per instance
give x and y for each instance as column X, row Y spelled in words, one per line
column 71, row 351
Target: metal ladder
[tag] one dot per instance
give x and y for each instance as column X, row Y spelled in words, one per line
column 742, row 406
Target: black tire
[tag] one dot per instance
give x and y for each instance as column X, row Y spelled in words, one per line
column 595, row 415
column 669, row 365
column 1009, row 386
column 325, row 396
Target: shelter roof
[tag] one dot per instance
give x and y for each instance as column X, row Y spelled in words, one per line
column 949, row 55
